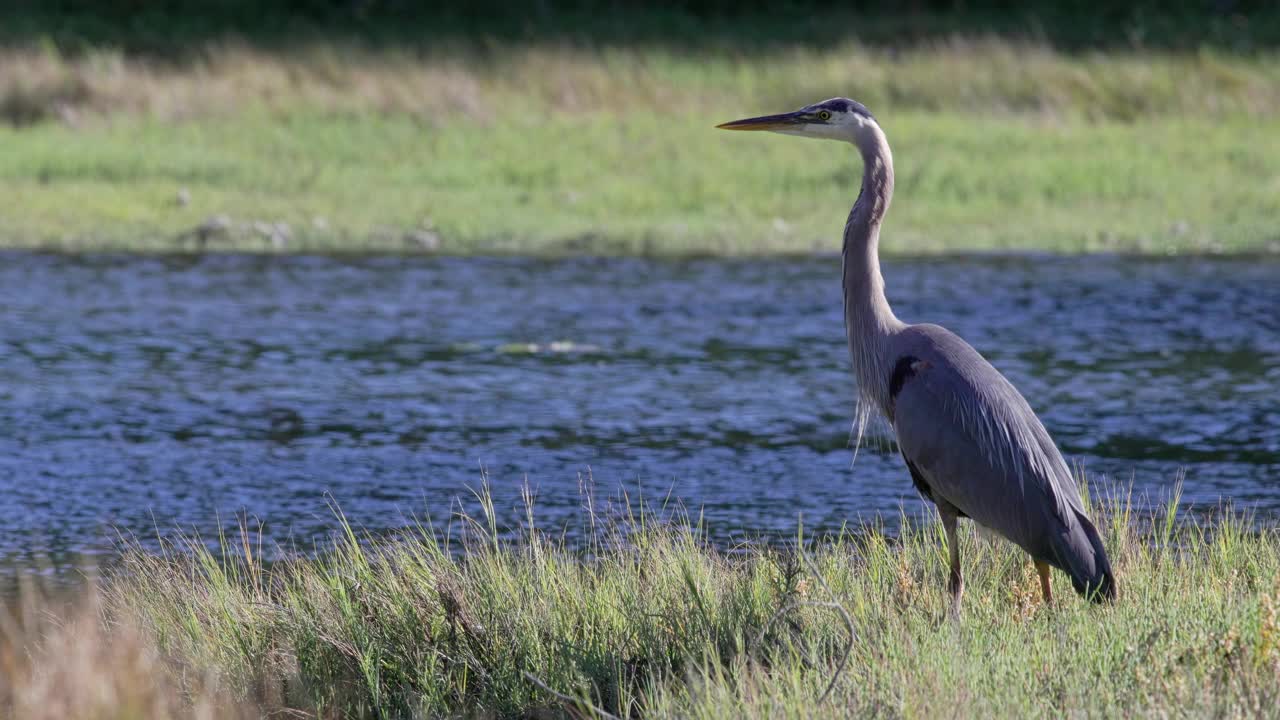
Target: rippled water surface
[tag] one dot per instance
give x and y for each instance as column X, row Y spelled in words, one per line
column 147, row 393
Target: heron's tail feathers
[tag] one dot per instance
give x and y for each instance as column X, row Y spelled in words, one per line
column 1085, row 560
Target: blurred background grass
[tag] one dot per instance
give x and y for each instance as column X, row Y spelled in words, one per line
column 572, row 127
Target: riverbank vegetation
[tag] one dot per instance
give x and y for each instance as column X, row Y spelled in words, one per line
column 192, row 136
column 644, row 618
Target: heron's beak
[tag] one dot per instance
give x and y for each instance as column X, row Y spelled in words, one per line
column 767, row 122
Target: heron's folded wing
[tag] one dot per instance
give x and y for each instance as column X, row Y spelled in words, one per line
column 980, row 448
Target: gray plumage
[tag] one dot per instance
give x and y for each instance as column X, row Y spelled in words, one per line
column 982, row 452
column 971, row 442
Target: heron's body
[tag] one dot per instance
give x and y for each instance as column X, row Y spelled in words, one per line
column 969, row 438
column 971, row 442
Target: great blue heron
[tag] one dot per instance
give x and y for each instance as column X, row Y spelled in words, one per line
column 972, row 443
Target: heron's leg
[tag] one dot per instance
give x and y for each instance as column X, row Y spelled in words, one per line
column 956, row 583
column 1043, row 569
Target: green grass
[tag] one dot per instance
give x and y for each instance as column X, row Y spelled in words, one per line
column 639, row 184
column 648, row 620
column 549, row 149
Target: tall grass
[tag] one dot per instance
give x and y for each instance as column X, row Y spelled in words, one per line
column 645, row 618
column 65, row 656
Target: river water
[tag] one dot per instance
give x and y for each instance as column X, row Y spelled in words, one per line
column 144, row 394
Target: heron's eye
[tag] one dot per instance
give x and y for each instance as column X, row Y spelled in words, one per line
column 824, row 115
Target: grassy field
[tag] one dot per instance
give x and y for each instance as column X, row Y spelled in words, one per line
column 999, row 144
column 648, row 620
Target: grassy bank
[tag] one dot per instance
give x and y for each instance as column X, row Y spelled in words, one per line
column 999, row 145
column 647, row 620
column 643, row 184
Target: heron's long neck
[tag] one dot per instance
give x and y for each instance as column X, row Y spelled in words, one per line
column 869, row 322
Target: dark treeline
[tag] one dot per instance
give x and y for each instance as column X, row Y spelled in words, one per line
column 178, row 27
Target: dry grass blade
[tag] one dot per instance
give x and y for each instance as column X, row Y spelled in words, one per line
column 572, row 701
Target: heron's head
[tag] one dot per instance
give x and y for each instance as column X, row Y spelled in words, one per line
column 834, row 119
